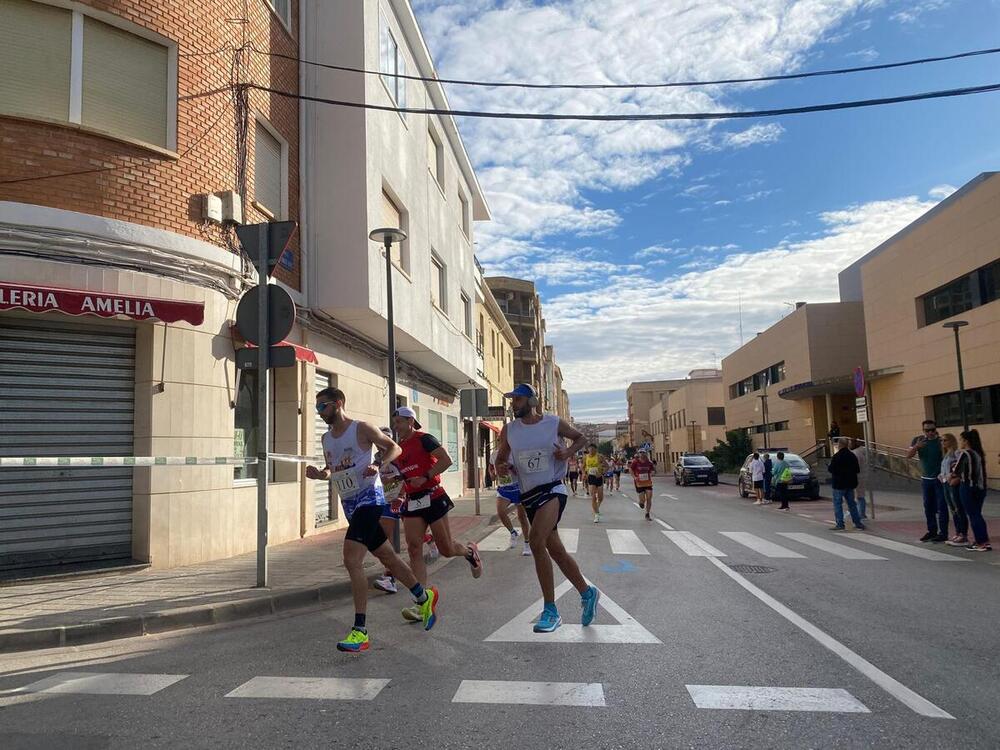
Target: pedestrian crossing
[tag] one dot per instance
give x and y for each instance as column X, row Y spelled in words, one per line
column 781, row 545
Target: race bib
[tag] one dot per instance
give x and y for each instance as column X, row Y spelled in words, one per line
column 593, row 472
column 643, row 476
column 346, row 482
column 419, row 503
column 533, row 462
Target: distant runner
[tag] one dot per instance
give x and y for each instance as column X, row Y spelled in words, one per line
column 573, row 471
column 642, row 470
column 593, row 466
column 509, row 494
column 619, row 465
column 536, row 443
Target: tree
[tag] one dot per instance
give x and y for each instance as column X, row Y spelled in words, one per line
column 606, row 448
column 729, row 455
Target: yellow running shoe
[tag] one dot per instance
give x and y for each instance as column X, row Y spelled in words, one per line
column 356, row 641
column 428, row 610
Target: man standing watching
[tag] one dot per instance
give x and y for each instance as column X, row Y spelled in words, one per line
column 536, row 444
column 928, row 447
column 768, row 468
column 845, row 469
column 348, row 447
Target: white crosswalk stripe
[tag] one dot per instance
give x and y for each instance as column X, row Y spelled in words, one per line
column 750, row 698
column 103, row 683
column 763, row 546
column 570, row 539
column 498, row 541
column 692, row 545
column 907, row 549
column 530, row 693
column 626, row 542
column 312, row 688
column 840, row 550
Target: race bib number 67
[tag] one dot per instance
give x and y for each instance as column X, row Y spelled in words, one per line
column 533, row 462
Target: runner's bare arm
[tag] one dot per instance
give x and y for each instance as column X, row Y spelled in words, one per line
column 443, row 462
column 566, row 430
column 390, row 451
column 503, row 452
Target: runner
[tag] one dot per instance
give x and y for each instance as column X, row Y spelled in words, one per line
column 508, row 494
column 422, row 462
column 609, row 474
column 642, row 471
column 593, row 465
column 536, row 443
column 392, row 484
column 348, row 447
column 619, row 464
column 573, row 471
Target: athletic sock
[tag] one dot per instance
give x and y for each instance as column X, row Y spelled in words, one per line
column 359, row 621
column 419, row 595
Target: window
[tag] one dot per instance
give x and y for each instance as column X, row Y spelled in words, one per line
column 434, row 425
column 245, row 423
column 463, row 204
column 732, row 391
column 270, row 159
column 452, row 442
column 980, row 287
column 392, row 65
column 435, row 156
column 493, row 343
column 716, row 415
column 394, row 216
column 981, row 404
column 467, row 314
column 62, row 65
column 283, row 9
column 439, row 283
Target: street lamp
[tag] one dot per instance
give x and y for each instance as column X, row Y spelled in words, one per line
column 386, row 236
column 955, row 325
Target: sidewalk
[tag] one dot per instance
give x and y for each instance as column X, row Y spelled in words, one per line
column 100, row 607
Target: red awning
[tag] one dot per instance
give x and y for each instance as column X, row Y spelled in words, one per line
column 490, row 426
column 302, row 354
column 41, row 299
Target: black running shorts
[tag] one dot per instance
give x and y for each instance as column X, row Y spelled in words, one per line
column 437, row 510
column 364, row 527
column 595, row 481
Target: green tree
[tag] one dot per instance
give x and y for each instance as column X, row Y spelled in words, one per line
column 729, row 455
column 606, row 448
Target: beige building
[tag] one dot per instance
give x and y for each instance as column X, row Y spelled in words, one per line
column 695, row 415
column 564, row 404
column 943, row 268
column 786, row 384
column 658, row 436
column 521, row 306
column 642, row 396
column 495, row 344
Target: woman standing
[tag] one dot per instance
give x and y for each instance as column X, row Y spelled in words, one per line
column 970, row 470
column 949, row 444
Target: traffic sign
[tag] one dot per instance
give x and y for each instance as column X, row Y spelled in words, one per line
column 277, row 235
column 859, row 402
column 281, row 314
column 474, row 403
column 859, row 381
column 862, row 414
column 277, row 356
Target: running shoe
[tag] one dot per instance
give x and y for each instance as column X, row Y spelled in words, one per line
column 433, row 553
column 588, row 600
column 513, row 538
column 958, row 541
column 428, row 610
column 386, row 584
column 648, row 518
column 412, row 614
column 597, row 517
column 986, row 547
column 357, row 640
column 526, row 552
column 837, row 528
column 475, row 560
column 549, row 621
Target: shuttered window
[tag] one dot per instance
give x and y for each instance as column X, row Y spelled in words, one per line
column 124, row 83
column 35, row 45
column 268, row 171
column 393, row 216
column 435, row 156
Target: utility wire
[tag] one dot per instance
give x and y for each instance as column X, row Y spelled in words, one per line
column 669, row 84
column 730, row 115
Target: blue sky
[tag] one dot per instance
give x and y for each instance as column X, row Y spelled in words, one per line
column 644, row 237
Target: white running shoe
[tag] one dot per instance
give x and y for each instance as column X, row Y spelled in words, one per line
column 597, row 517
column 432, row 551
column 513, row 539
column 526, row 552
column 386, row 584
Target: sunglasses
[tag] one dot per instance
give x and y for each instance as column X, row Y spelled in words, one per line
column 930, row 429
column 321, row 407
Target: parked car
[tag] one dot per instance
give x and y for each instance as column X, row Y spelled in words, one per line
column 695, row 468
column 804, row 484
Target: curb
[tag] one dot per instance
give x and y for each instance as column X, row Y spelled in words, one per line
column 115, row 628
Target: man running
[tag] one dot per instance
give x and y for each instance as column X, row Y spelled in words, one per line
column 573, row 472
column 509, row 494
column 619, row 465
column 642, row 471
column 593, row 466
column 536, row 444
column 421, row 463
column 392, row 485
column 348, row 448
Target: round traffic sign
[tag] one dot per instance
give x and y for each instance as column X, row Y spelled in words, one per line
column 280, row 313
column 859, row 382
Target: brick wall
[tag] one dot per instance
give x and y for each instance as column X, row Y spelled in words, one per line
column 148, row 187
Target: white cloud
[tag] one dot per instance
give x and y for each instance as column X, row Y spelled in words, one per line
column 941, row 191
column 767, row 133
column 865, row 55
column 914, row 9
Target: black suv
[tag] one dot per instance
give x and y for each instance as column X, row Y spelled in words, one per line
column 695, row 468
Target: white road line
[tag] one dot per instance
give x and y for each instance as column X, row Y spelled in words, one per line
column 840, row 550
column 530, row 693
column 311, row 688
column 626, row 542
column 498, row 541
column 664, row 494
column 751, row 698
column 763, row 546
column 896, row 689
column 907, row 549
column 103, row 683
column 692, row 545
column 570, row 539
column 664, row 524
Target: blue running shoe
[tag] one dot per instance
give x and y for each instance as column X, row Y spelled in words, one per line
column 588, row 600
column 549, row 621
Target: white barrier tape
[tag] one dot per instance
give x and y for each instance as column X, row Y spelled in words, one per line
column 288, row 458
column 124, row 461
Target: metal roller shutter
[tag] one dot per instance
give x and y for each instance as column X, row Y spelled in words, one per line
column 66, row 389
column 325, row 502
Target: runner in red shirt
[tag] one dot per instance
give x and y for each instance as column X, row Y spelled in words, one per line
column 421, row 463
column 642, row 470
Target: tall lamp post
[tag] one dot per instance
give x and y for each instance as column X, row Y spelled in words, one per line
column 955, row 325
column 386, row 236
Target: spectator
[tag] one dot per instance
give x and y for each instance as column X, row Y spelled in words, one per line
column 757, row 475
column 845, row 469
column 861, row 453
column 970, row 470
column 949, row 444
column 781, row 476
column 834, row 430
column 928, row 448
column 768, row 468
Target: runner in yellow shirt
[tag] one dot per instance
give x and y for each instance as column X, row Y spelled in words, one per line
column 594, row 467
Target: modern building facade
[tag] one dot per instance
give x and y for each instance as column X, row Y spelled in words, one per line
column 695, row 415
column 641, row 397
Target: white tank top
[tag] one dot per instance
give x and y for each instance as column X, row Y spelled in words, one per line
column 348, row 460
column 532, row 448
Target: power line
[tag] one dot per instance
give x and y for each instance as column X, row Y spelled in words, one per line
column 730, row 115
column 669, row 84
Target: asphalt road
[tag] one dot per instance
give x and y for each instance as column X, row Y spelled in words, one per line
column 809, row 648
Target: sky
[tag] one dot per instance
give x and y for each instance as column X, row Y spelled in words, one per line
column 647, row 239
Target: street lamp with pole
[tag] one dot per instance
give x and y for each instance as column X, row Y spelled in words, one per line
column 955, row 325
